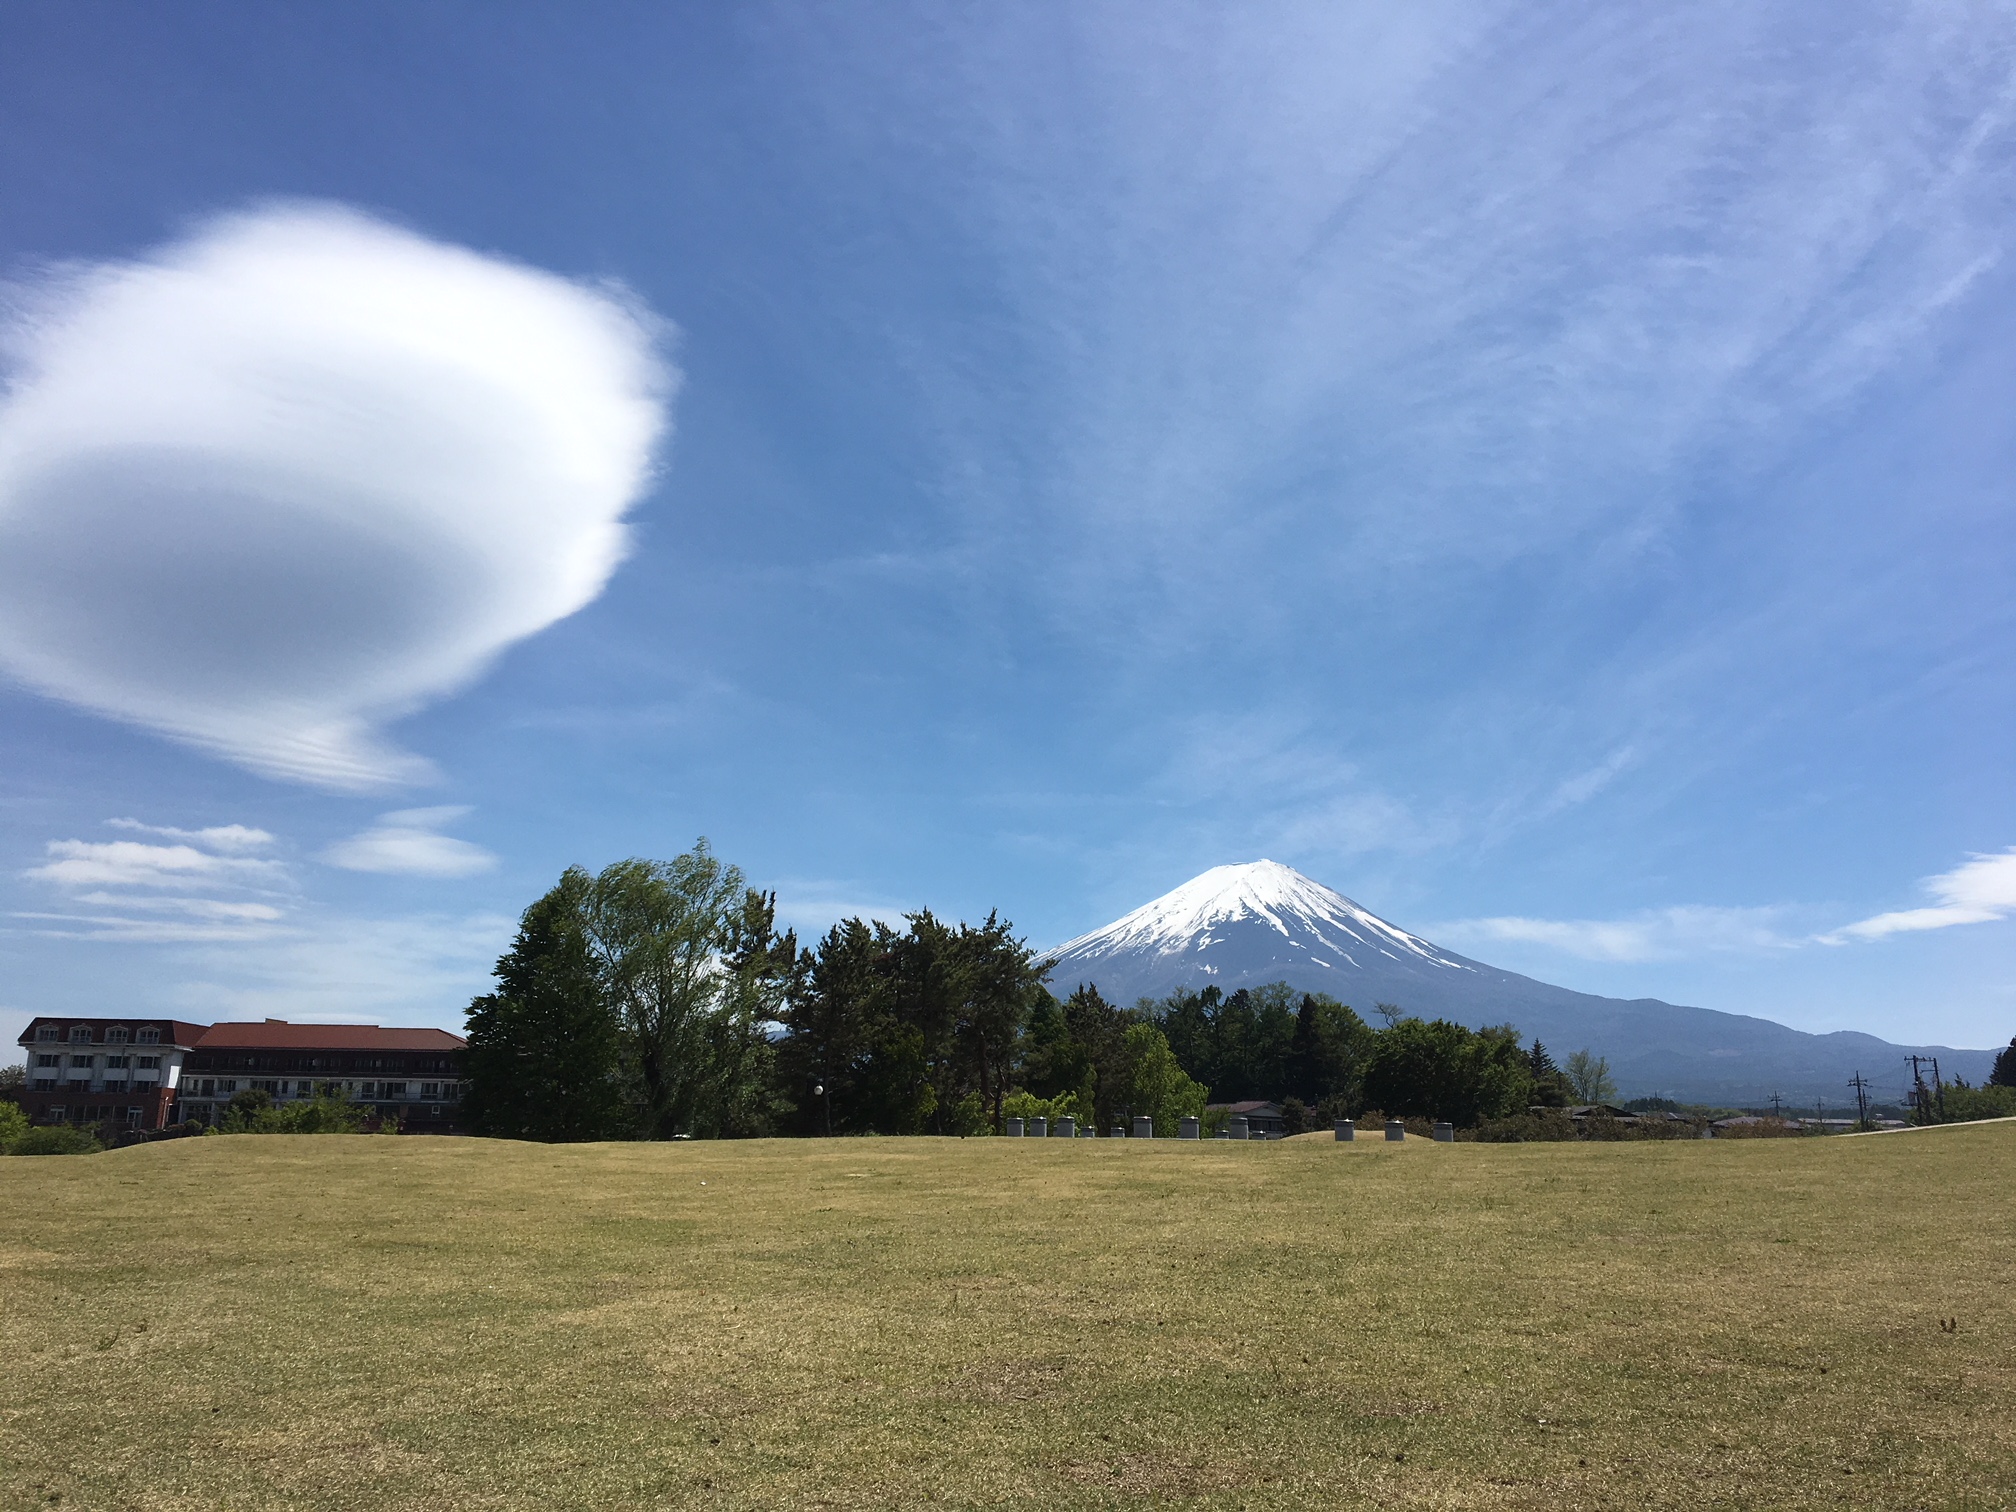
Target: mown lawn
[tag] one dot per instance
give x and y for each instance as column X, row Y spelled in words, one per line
column 376, row 1323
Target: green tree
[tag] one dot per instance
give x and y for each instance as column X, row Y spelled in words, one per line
column 1589, row 1078
column 1550, row 1082
column 661, row 934
column 1330, row 1049
column 997, row 982
column 1442, row 1070
column 544, row 1059
column 1155, row 1085
column 907, row 1032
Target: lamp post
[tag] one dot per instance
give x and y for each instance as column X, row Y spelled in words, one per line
column 819, row 1090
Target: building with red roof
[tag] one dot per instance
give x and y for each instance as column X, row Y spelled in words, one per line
column 147, row 1073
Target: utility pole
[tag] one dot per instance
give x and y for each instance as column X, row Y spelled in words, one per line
column 1938, row 1089
column 1777, row 1106
column 1921, row 1095
column 1861, row 1085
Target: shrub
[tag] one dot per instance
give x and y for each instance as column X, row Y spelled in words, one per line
column 1965, row 1104
column 320, row 1115
column 13, row 1124
column 1760, row 1128
column 1027, row 1105
column 56, row 1139
column 1543, row 1127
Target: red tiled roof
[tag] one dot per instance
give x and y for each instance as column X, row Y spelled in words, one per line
column 277, row 1034
column 174, row 1032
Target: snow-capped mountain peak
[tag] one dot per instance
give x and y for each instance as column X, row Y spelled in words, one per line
column 1233, row 920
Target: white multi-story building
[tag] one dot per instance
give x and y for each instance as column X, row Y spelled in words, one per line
column 105, row 1070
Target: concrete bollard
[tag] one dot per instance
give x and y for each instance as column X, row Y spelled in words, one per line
column 1395, row 1130
column 1236, row 1129
column 1192, row 1128
column 1445, row 1133
column 1347, row 1130
column 1014, row 1128
column 1039, row 1128
column 1144, row 1127
column 1067, row 1128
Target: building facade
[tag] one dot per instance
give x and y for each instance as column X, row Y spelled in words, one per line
column 119, row 1071
column 92, row 1071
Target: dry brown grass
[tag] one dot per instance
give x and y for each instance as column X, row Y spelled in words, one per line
column 333, row 1322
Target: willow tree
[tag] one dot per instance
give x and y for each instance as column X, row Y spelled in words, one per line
column 675, row 947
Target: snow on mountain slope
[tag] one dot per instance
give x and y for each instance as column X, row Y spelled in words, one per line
column 1242, row 926
column 1221, row 907
column 1246, row 924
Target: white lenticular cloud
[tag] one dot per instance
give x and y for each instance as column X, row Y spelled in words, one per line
column 1975, row 892
column 274, row 485
column 407, row 843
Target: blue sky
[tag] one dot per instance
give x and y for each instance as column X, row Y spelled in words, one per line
column 1544, row 471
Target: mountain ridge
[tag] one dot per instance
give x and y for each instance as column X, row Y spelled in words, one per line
column 1250, row 923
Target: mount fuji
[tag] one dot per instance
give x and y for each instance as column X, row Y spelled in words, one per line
column 1242, row 926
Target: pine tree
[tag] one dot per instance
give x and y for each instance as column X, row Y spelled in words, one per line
column 543, row 1059
column 2004, row 1074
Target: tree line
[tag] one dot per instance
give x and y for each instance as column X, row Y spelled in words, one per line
column 658, row 1000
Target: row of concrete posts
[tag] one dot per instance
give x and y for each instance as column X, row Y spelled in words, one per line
column 1193, row 1128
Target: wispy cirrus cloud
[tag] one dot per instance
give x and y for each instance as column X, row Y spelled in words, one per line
column 1659, row 934
column 303, row 471
column 1401, row 287
column 1978, row 891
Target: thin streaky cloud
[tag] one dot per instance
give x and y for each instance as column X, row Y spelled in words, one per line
column 1978, row 891
column 231, row 838
column 133, row 863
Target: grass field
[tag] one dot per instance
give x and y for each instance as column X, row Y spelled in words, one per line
column 375, row 1323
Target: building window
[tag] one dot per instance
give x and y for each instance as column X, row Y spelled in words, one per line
column 430, row 1090
column 115, row 1036
column 45, row 1084
column 83, row 1062
column 46, row 1033
column 209, row 1088
column 132, row 1118
column 58, row 1113
column 80, row 1035
column 226, row 1088
column 395, row 1089
column 149, row 1036
column 48, row 1060
column 118, row 1062
column 150, row 1063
